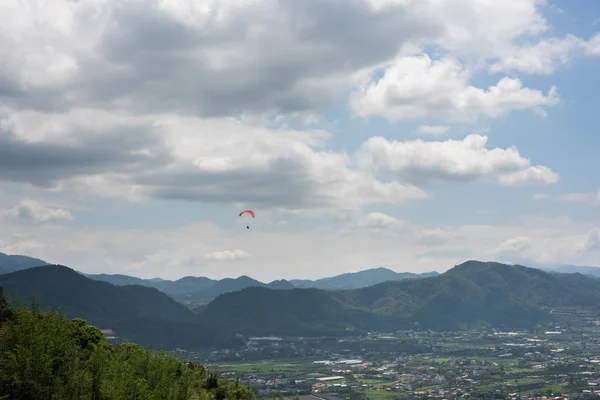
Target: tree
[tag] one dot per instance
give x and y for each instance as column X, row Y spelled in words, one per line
column 46, row 356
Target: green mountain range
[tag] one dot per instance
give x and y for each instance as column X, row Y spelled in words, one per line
column 473, row 293
column 195, row 289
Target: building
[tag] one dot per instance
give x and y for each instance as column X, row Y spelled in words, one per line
column 110, row 335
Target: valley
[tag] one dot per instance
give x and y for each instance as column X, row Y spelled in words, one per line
column 559, row 363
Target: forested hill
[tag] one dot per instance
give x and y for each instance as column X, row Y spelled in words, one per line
column 141, row 314
column 46, row 356
column 472, row 293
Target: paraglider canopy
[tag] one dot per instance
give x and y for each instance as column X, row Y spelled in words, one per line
column 247, row 211
column 250, row 212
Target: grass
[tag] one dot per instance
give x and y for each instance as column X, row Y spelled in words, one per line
column 272, row 366
column 543, row 390
column 383, row 395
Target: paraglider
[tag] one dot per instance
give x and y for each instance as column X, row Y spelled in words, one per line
column 250, row 212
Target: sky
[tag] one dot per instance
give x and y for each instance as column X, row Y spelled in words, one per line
column 407, row 134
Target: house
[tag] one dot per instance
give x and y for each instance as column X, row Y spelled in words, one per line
column 110, row 335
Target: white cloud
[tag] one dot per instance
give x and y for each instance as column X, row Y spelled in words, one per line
column 207, row 160
column 376, row 221
column 227, row 255
column 210, row 58
column 418, row 87
column 532, row 175
column 227, row 57
column 592, row 241
column 433, row 130
column 512, row 248
column 225, row 161
column 34, row 211
column 545, row 56
column 419, row 161
column 592, row 47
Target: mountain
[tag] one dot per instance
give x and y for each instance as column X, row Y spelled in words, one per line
column 12, row 263
column 121, row 280
column 470, row 294
column 137, row 313
column 576, row 269
column 281, row 284
column 192, row 288
column 357, row 280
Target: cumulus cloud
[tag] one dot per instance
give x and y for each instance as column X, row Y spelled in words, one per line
column 420, row 161
column 592, row 241
column 34, row 211
column 417, row 87
column 377, row 221
column 224, row 161
column 263, row 56
column 513, row 248
column 227, row 255
column 530, row 176
column 543, row 57
column 169, row 157
column 210, row 59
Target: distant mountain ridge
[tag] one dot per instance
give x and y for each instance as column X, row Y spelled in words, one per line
column 357, row 280
column 575, row 269
column 192, row 288
column 204, row 289
column 13, row 263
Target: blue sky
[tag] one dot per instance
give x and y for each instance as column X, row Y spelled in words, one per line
column 411, row 134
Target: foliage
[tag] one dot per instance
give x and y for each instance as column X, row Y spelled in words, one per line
column 44, row 355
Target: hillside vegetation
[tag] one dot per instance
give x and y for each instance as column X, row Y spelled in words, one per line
column 473, row 293
column 46, row 356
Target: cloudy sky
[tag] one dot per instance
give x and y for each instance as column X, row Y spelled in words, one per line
column 410, row 134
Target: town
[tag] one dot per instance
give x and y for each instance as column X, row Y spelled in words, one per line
column 557, row 362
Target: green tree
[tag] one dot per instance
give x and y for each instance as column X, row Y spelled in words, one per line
column 46, row 356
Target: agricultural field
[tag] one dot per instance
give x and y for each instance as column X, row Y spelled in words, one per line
column 473, row 364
